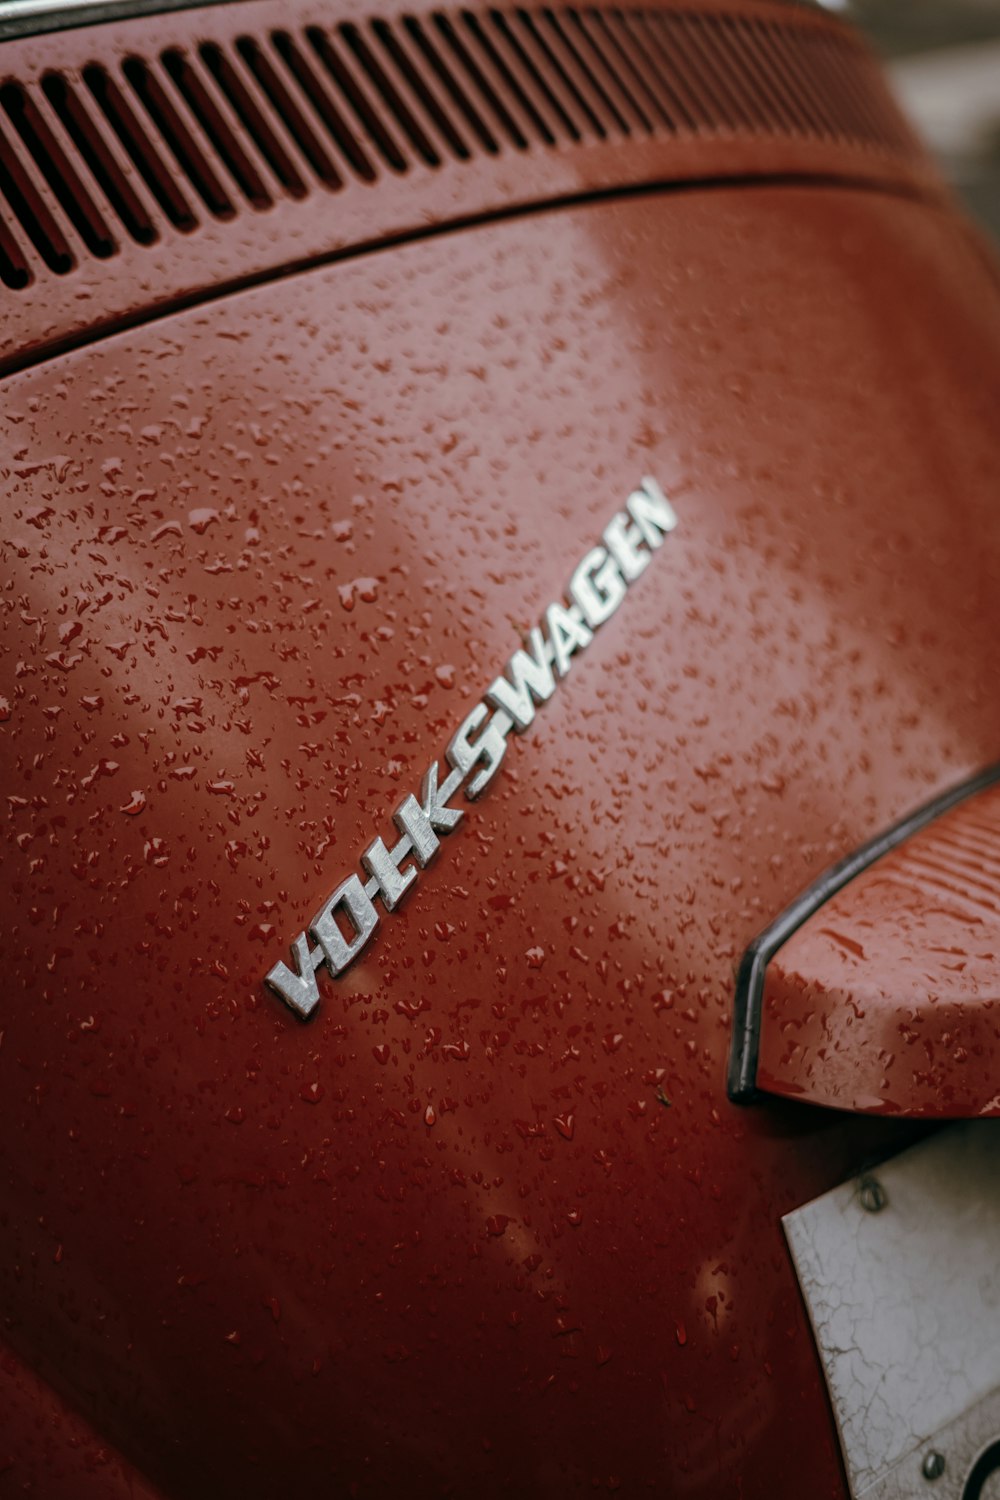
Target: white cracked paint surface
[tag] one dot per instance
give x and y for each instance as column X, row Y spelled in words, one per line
column 905, row 1302
column 960, row 1445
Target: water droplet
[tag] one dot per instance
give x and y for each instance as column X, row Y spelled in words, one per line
column 155, row 851
column 201, row 520
column 169, row 528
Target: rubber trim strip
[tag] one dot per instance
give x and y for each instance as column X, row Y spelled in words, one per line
column 30, row 17
column 748, row 1003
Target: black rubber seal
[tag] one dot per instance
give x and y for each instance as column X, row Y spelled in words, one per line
column 27, row 21
column 742, row 1081
column 985, row 1467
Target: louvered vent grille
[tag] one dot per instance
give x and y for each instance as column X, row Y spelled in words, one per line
column 215, row 131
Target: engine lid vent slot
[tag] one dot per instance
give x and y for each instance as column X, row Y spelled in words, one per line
column 182, row 134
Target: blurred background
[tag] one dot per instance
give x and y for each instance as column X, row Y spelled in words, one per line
column 943, row 58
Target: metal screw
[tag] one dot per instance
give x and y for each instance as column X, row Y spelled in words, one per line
column 933, row 1465
column 873, row 1196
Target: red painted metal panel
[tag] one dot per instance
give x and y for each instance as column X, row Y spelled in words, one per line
column 48, row 1449
column 487, row 1225
column 886, row 1000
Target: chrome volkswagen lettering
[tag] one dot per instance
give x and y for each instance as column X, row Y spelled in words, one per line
column 346, row 922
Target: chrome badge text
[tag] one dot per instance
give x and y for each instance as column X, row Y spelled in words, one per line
column 347, row 921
